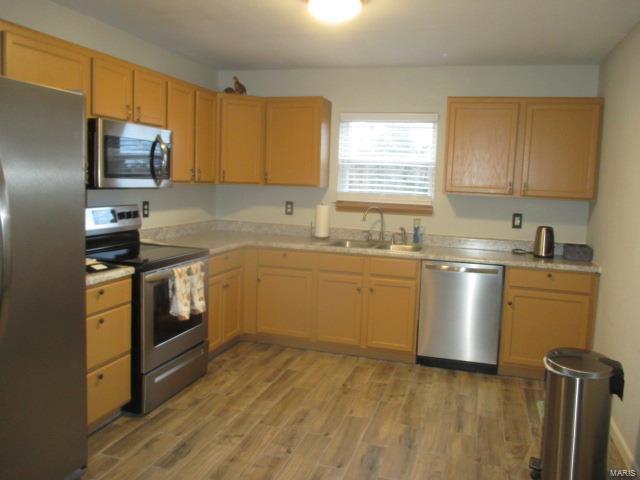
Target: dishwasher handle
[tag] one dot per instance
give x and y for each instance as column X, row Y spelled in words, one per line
column 456, row 269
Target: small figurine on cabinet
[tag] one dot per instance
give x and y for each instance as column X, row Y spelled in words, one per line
column 238, row 88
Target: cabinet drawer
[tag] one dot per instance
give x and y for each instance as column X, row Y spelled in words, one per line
column 108, row 295
column 550, row 280
column 341, row 263
column 394, row 267
column 108, row 335
column 226, row 261
column 108, row 388
column 285, row 259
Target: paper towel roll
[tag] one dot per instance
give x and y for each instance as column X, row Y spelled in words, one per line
column 322, row 221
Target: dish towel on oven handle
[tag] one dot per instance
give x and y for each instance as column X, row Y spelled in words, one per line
column 187, row 291
column 198, row 301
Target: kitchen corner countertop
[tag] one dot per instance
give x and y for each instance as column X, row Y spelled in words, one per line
column 223, row 241
column 108, row 275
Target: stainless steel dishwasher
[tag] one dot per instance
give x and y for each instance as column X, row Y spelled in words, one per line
column 460, row 314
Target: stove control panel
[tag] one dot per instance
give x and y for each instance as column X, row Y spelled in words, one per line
column 119, row 218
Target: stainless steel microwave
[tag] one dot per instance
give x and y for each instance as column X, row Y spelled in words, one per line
column 128, row 155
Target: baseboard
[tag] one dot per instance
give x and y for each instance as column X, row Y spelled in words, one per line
column 622, row 446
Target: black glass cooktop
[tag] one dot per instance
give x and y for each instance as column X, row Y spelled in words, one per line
column 146, row 257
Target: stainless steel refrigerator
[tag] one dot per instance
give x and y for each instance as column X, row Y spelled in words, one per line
column 43, row 432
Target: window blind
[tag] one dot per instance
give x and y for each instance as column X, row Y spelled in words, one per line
column 387, row 158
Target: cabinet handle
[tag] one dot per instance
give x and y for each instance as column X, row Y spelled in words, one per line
column 101, row 321
column 510, row 304
column 223, row 173
column 266, row 177
column 510, row 186
column 198, row 174
column 549, row 275
column 284, row 255
column 258, row 280
column 139, row 113
column 370, row 290
column 100, row 376
column 193, row 173
column 525, row 187
column 128, row 112
column 100, row 292
column 358, row 289
column 226, row 285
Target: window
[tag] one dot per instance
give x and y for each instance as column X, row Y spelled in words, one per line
column 387, row 158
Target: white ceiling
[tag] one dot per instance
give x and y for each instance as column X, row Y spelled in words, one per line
column 281, row 34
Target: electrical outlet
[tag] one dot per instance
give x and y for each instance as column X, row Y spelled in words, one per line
column 288, row 207
column 145, row 208
column 516, row 220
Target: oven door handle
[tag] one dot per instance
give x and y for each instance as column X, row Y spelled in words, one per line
column 157, row 277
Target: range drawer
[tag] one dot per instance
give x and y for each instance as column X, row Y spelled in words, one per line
column 226, row 261
column 108, row 295
column 108, row 388
column 286, row 259
column 394, row 267
column 550, row 280
column 108, row 335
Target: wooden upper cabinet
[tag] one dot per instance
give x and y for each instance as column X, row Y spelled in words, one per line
column 38, row 59
column 150, row 98
column 180, row 120
column 481, row 146
column 561, row 146
column 112, row 86
column 297, row 141
column 206, row 137
column 524, row 146
column 242, row 139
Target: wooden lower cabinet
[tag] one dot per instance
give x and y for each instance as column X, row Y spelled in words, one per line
column 391, row 318
column 284, row 301
column 541, row 317
column 339, row 308
column 225, row 299
column 108, row 350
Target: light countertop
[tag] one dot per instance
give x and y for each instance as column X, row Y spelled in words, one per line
column 108, row 275
column 222, row 241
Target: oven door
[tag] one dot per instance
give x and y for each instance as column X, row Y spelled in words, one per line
column 128, row 155
column 164, row 336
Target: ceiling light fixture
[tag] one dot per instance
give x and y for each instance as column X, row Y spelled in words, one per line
column 335, row 11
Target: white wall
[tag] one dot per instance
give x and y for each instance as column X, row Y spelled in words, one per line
column 179, row 204
column 614, row 229
column 414, row 90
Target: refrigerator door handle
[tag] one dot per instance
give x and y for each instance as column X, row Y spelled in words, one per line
column 5, row 251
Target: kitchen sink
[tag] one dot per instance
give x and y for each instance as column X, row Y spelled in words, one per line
column 400, row 247
column 377, row 244
column 355, row 243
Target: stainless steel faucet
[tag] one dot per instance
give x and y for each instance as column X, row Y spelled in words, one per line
column 379, row 210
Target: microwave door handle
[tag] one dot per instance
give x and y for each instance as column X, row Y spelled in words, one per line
column 152, row 166
column 165, row 157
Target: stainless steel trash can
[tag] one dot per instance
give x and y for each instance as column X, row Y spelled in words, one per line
column 577, row 411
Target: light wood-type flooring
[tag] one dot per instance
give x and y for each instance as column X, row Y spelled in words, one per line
column 265, row 411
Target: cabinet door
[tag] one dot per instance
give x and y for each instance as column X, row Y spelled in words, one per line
column 481, row 147
column 180, row 120
column 108, row 388
column 339, row 308
column 150, row 98
column 112, row 89
column 241, row 139
column 46, row 63
column 293, row 142
column 284, row 301
column 205, row 149
column 231, row 304
column 391, row 322
column 535, row 322
column 561, row 144
column 215, row 312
